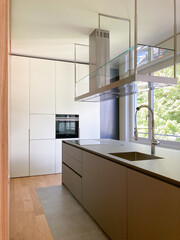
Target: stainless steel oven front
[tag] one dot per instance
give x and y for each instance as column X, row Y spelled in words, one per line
column 67, row 126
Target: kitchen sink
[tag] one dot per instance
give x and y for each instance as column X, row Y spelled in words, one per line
column 135, row 156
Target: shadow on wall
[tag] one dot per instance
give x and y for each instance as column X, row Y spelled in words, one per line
column 109, row 119
column 109, row 113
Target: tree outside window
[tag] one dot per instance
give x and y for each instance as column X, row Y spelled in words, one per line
column 166, row 104
column 167, row 108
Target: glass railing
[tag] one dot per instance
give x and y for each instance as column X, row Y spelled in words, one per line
column 122, row 67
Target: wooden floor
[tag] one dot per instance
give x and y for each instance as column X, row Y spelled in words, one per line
column 27, row 219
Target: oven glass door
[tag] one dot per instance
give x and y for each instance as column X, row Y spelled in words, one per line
column 67, row 129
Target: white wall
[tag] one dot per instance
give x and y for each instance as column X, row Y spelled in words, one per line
column 170, row 43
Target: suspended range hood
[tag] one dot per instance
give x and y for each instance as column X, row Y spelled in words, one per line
column 126, row 74
column 114, row 79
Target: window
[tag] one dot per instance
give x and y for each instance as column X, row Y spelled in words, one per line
column 167, row 108
column 142, row 116
column 166, row 105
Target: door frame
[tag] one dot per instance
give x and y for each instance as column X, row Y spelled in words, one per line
column 4, row 164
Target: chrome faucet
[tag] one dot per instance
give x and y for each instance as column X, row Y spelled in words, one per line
column 153, row 140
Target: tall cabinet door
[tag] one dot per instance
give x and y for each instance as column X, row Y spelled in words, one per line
column 42, row 86
column 42, row 126
column 89, row 112
column 42, row 117
column 19, row 117
column 42, row 156
column 65, row 103
column 42, row 144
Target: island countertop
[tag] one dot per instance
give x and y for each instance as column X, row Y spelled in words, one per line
column 166, row 169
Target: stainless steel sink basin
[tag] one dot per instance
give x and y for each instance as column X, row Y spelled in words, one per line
column 135, row 156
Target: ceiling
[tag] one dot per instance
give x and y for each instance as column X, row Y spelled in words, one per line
column 49, row 28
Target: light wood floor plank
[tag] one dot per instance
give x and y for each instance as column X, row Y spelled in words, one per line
column 27, row 219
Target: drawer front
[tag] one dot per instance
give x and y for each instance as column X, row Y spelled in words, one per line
column 73, row 152
column 72, row 163
column 72, row 181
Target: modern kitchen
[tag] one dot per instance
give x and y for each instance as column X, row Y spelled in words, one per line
column 90, row 133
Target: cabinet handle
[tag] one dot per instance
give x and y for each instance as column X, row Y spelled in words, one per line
column 29, row 148
column 29, row 134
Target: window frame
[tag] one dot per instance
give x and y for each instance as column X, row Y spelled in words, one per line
column 132, row 108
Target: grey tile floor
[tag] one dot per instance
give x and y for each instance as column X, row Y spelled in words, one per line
column 65, row 216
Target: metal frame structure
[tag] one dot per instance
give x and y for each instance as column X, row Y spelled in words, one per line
column 75, row 62
column 135, row 38
column 117, row 18
column 134, row 76
column 175, row 39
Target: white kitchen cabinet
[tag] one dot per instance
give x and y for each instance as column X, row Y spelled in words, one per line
column 58, row 156
column 19, row 117
column 89, row 120
column 39, row 89
column 82, row 71
column 42, row 157
column 65, row 103
column 42, row 126
column 89, row 113
column 42, row 86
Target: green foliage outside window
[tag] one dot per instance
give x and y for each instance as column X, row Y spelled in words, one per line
column 166, row 108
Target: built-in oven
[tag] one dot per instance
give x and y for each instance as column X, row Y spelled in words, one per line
column 67, row 126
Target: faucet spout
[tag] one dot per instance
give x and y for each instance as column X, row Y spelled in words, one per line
column 135, row 129
column 153, row 140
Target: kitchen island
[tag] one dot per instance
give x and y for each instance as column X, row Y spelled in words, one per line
column 129, row 200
